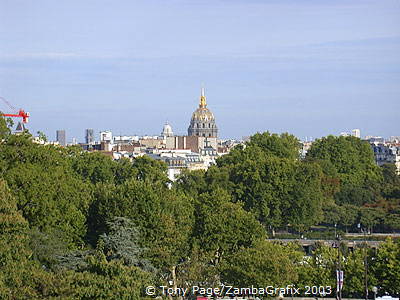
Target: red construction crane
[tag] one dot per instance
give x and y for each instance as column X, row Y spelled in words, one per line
column 21, row 113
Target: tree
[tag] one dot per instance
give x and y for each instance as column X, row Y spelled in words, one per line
column 355, row 195
column 332, row 214
column 392, row 221
column 264, row 264
column 51, row 200
column 306, row 197
column 354, row 270
column 122, row 241
column 283, row 146
column 278, row 191
column 386, row 267
column 134, row 199
column 192, row 182
column 370, row 217
column 223, row 227
column 94, row 167
column 47, row 248
column 170, row 240
column 390, row 176
column 352, row 158
column 20, row 276
column 330, row 182
column 50, row 195
column 151, row 170
column 163, row 217
column 391, row 183
column 103, row 279
column 42, row 136
column 5, row 125
column 348, row 216
column 320, row 268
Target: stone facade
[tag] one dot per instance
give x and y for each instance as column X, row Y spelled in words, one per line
column 194, row 143
column 387, row 154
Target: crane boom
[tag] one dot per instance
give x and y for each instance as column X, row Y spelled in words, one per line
column 21, row 113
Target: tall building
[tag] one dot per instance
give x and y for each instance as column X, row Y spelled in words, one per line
column 89, row 136
column 356, row 133
column 61, row 137
column 203, row 120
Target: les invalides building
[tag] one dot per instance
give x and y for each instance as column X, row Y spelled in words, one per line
column 203, row 120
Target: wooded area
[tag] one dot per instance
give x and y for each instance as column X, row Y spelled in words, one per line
column 78, row 225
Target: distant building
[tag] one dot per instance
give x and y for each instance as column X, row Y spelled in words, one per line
column 386, row 154
column 89, row 136
column 178, row 160
column 203, row 120
column 61, row 137
column 356, row 133
column 153, row 142
column 394, row 139
column 167, row 130
column 106, row 136
column 20, row 128
column 375, row 139
column 121, row 139
column 193, row 143
column 304, row 149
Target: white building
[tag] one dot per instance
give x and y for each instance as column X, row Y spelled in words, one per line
column 356, row 133
column 126, row 138
column 167, row 130
column 387, row 154
column 106, row 136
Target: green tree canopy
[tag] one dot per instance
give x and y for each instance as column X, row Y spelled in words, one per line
column 276, row 189
column 264, row 264
column 386, row 267
column 284, row 145
column 351, row 157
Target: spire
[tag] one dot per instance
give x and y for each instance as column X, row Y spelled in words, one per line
column 203, row 102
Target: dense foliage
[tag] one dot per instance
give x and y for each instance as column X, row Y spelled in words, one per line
column 78, row 225
column 363, row 193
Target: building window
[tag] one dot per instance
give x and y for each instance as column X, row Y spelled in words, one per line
column 204, row 125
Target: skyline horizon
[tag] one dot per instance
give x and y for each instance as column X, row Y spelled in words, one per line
column 306, row 67
column 180, row 133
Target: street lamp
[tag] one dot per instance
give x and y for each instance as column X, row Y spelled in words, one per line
column 375, row 290
column 339, row 273
column 364, row 231
column 335, row 230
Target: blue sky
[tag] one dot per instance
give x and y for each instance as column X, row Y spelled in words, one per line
column 311, row 68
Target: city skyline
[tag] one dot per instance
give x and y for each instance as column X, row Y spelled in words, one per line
column 303, row 67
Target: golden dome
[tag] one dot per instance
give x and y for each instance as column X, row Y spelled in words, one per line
column 203, row 113
column 203, row 120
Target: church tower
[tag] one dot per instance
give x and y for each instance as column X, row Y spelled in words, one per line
column 203, row 121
